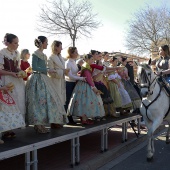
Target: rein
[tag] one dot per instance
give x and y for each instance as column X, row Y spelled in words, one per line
column 146, row 107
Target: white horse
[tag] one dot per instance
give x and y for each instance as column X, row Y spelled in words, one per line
column 155, row 105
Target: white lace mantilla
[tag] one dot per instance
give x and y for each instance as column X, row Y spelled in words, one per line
column 40, row 55
column 10, row 55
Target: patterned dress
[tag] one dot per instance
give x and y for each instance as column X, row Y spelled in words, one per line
column 115, row 94
column 129, row 88
column 11, row 62
column 101, row 84
column 10, row 115
column 43, row 105
column 125, row 98
column 84, row 100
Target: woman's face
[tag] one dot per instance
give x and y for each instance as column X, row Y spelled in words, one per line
column 99, row 56
column 95, row 56
column 74, row 55
column 161, row 52
column 114, row 63
column 90, row 61
column 45, row 44
column 58, row 49
column 14, row 45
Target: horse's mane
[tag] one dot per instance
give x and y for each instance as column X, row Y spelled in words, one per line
column 142, row 73
column 146, row 66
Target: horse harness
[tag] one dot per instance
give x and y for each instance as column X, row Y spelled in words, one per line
column 147, row 106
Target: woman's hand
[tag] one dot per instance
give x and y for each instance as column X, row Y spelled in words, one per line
column 66, row 71
column 118, row 84
column 158, row 73
column 13, row 74
column 5, row 88
column 29, row 70
column 84, row 79
column 51, row 71
column 98, row 92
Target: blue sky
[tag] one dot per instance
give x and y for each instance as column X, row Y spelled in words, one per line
column 19, row 17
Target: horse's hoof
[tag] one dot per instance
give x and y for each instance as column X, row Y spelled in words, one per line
column 150, row 159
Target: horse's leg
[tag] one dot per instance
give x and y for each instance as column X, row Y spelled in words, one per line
column 167, row 134
column 151, row 131
column 150, row 143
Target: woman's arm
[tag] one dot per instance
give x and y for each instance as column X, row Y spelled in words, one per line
column 70, row 74
column 3, row 72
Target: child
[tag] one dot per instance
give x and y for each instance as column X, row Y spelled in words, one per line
column 25, row 66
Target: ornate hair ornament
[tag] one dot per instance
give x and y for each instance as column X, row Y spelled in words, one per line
column 39, row 41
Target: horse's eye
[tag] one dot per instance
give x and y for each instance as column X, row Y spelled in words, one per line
column 149, row 74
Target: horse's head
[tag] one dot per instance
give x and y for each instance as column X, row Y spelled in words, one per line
column 146, row 79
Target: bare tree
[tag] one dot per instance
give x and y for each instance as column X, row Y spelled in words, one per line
column 67, row 17
column 148, row 29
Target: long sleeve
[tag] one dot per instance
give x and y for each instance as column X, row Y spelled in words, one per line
column 38, row 64
column 89, row 79
column 71, row 75
column 96, row 67
column 57, row 63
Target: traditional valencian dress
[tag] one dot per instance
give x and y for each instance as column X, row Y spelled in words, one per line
column 10, row 115
column 43, row 105
column 10, row 61
column 125, row 98
column 136, row 101
column 115, row 94
column 56, row 62
column 101, row 84
column 84, row 100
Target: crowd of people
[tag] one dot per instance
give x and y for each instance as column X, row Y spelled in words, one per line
column 54, row 91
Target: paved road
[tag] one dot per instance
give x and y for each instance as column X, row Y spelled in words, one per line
column 136, row 158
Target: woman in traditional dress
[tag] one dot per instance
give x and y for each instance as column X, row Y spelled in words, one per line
column 43, row 105
column 136, row 101
column 102, row 84
column 10, row 115
column 86, row 101
column 72, row 77
column 123, row 100
column 10, row 61
column 56, row 62
column 25, row 65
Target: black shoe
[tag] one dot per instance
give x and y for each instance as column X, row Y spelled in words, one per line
column 71, row 121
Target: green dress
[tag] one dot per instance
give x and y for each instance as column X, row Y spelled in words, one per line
column 115, row 93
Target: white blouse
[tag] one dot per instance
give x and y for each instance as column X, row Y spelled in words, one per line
column 72, row 75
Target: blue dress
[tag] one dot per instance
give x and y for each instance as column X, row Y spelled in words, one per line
column 43, row 105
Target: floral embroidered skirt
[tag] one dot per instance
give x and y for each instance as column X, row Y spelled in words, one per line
column 43, row 105
column 10, row 115
column 18, row 93
column 85, row 101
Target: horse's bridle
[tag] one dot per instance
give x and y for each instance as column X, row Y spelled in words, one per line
column 150, row 84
